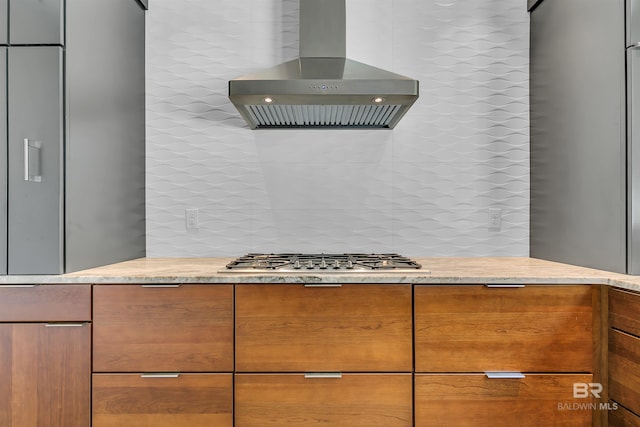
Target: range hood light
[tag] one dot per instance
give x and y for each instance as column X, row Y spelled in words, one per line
column 378, row 100
column 268, row 100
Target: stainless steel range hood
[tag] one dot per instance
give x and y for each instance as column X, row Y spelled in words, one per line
column 322, row 88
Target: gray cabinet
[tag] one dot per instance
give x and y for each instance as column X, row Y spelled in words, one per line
column 75, row 137
column 36, row 22
column 35, row 159
column 3, row 158
column 4, row 11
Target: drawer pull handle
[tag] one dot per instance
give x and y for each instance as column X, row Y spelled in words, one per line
column 313, row 375
column 322, row 285
column 162, row 286
column 504, row 375
column 161, row 375
column 505, row 285
column 32, row 156
column 18, row 286
column 64, row 325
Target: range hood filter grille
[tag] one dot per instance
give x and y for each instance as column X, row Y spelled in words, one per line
column 326, row 116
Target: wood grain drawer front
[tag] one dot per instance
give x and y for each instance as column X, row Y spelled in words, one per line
column 479, row 329
column 477, row 401
column 624, row 369
column 45, row 375
column 624, row 311
column 355, row 400
column 353, row 328
column 189, row 400
column 45, row 303
column 182, row 329
column 622, row 417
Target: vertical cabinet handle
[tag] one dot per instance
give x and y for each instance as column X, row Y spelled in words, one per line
column 32, row 166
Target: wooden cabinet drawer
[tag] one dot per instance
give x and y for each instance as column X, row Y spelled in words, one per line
column 371, row 400
column 624, row 369
column 478, row 329
column 292, row 328
column 170, row 329
column 622, row 417
column 45, row 303
column 189, row 400
column 477, row 401
column 624, row 311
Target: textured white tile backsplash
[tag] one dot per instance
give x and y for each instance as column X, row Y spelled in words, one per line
column 424, row 188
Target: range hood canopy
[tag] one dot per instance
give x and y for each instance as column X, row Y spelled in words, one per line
column 322, row 88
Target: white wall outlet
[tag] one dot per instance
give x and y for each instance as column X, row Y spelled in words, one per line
column 191, row 219
column 495, row 219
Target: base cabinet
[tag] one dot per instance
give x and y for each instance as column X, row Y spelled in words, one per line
column 622, row 417
column 351, row 400
column 162, row 400
column 45, row 356
column 348, row 328
column 468, row 400
column 45, row 371
column 163, row 328
column 624, row 357
column 526, row 329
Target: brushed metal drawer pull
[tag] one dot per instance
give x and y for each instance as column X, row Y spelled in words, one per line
column 322, row 285
column 161, row 375
column 19, row 286
column 162, row 286
column 504, row 375
column 313, row 375
column 505, row 285
column 64, row 325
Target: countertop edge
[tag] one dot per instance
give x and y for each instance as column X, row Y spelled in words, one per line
column 438, row 271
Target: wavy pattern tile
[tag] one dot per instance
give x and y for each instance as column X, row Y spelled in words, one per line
column 423, row 189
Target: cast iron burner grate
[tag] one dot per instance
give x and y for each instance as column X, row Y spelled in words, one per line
column 295, row 262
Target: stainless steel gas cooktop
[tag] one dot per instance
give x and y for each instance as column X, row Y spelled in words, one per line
column 322, row 263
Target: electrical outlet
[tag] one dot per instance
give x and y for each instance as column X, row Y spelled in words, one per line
column 495, row 219
column 191, row 219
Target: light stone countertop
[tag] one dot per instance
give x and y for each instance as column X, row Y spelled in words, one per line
column 448, row 270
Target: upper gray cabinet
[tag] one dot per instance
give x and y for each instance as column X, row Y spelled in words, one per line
column 4, row 11
column 3, row 159
column 36, row 21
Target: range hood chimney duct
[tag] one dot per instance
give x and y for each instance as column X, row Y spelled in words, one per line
column 322, row 88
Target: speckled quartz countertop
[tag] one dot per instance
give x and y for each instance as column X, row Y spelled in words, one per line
column 481, row 270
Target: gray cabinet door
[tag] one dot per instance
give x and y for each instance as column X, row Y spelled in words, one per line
column 36, row 22
column 3, row 161
column 35, row 97
column 3, row 21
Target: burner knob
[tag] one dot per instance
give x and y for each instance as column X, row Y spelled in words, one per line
column 336, row 265
column 310, row 264
column 350, row 265
column 323, row 264
column 296, row 265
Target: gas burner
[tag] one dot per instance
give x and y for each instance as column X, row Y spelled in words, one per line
column 325, row 263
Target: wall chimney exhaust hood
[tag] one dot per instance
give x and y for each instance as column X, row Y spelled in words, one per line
column 322, row 88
